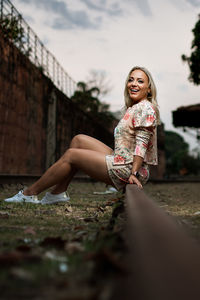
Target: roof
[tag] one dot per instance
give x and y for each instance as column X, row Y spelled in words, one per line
column 187, row 116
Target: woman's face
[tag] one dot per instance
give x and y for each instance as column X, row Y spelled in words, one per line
column 138, row 86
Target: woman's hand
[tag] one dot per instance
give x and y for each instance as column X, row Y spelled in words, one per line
column 133, row 180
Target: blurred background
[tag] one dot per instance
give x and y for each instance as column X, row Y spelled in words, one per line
column 63, row 69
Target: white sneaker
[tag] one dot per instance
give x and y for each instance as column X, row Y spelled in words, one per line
column 20, row 197
column 55, row 198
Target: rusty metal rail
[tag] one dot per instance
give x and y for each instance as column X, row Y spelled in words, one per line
column 164, row 261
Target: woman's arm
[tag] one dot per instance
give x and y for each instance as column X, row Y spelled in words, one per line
column 137, row 163
column 142, row 139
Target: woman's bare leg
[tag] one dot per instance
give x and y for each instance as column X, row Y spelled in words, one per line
column 91, row 162
column 81, row 141
column 63, row 185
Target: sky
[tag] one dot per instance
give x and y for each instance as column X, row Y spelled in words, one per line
column 113, row 36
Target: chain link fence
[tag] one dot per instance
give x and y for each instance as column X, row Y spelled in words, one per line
column 15, row 28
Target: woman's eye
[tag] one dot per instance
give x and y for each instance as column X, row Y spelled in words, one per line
column 140, row 81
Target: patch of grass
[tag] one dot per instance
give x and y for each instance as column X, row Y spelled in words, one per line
column 180, row 200
column 76, row 248
column 54, row 245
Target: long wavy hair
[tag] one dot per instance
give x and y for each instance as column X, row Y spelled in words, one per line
column 151, row 96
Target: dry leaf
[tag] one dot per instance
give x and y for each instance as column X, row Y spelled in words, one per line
column 68, row 209
column 21, row 274
column 73, row 247
column 4, row 215
column 30, row 230
column 101, row 209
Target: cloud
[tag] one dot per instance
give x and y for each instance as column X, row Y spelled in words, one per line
column 85, row 14
column 65, row 18
column 113, row 9
column 143, row 6
column 195, row 3
column 76, row 19
column 50, row 5
column 73, row 19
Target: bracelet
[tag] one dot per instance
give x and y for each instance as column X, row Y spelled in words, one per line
column 136, row 174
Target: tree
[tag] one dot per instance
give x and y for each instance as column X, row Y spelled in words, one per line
column 87, row 99
column 12, row 29
column 178, row 159
column 98, row 78
column 194, row 59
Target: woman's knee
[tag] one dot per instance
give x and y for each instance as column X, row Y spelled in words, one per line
column 76, row 141
column 66, row 158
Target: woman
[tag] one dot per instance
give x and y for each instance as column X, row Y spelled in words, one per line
column 135, row 148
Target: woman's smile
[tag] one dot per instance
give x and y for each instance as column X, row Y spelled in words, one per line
column 138, row 85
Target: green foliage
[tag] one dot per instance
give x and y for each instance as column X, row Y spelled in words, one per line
column 87, row 99
column 12, row 30
column 178, row 159
column 194, row 59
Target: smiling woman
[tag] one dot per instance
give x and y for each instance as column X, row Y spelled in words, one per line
column 134, row 149
column 146, row 79
column 138, row 85
column 135, row 135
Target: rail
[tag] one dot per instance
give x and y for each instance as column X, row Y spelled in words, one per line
column 164, row 261
column 24, row 38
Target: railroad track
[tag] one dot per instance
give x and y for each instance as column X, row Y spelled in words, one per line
column 164, row 262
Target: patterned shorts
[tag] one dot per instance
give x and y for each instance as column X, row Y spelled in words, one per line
column 119, row 174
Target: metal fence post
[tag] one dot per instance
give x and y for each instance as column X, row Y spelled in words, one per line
column 2, row 9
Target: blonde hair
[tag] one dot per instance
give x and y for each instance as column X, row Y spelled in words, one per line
column 151, row 96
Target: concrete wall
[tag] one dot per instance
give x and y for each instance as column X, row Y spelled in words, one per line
column 37, row 121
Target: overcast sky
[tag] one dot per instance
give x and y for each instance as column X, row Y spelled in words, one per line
column 113, row 36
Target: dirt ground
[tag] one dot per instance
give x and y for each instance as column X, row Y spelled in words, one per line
column 181, row 200
column 74, row 251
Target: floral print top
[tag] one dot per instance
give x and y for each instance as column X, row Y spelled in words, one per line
column 135, row 134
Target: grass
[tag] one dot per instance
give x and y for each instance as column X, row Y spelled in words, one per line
column 181, row 200
column 74, row 250
column 49, row 250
